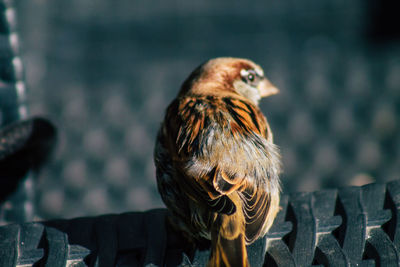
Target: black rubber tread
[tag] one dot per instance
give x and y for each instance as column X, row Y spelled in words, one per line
column 353, row 226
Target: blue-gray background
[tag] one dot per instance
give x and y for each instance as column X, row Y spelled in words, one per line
column 104, row 71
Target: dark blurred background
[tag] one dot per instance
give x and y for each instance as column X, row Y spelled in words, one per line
column 104, row 71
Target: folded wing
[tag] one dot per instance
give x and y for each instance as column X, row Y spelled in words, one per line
column 223, row 146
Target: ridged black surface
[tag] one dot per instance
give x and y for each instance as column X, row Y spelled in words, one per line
column 353, row 226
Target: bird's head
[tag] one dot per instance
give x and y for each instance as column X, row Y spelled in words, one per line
column 229, row 76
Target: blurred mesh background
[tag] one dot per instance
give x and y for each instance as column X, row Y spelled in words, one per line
column 104, row 71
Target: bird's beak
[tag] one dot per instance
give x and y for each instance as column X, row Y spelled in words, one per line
column 266, row 88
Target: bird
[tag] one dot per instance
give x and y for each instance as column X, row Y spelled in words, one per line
column 217, row 167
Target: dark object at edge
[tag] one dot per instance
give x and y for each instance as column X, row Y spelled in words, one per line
column 24, row 145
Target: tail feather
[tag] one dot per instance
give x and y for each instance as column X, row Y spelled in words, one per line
column 228, row 253
column 228, row 246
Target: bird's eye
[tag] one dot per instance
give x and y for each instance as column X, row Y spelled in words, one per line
column 250, row 77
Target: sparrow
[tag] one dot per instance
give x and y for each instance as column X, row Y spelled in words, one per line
column 217, row 167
